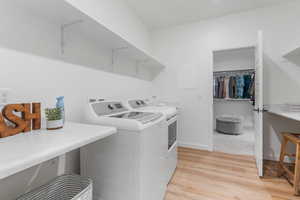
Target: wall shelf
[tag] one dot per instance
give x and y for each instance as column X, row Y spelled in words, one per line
column 293, row 56
column 70, row 19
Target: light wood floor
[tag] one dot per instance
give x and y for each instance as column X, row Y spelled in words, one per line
column 203, row 175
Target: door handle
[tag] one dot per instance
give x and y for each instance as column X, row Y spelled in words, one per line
column 256, row 110
column 260, row 110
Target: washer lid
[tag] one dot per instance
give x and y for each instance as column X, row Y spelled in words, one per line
column 167, row 111
column 143, row 117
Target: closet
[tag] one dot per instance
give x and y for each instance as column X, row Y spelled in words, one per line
column 234, row 99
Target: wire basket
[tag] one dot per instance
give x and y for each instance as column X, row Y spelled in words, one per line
column 66, row 187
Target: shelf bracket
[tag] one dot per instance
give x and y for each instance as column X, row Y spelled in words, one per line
column 113, row 56
column 137, row 66
column 63, row 27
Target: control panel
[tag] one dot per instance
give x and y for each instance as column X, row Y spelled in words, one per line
column 107, row 108
column 137, row 103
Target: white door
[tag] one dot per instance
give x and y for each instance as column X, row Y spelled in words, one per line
column 259, row 107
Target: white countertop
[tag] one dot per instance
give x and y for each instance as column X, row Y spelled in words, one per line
column 25, row 150
column 280, row 112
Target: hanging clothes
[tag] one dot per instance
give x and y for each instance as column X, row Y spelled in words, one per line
column 247, row 81
column 232, row 87
column 240, row 84
column 223, row 94
column 214, row 88
column 251, row 90
column 221, row 87
column 226, row 81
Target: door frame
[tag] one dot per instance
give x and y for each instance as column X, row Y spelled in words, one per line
column 250, row 45
column 259, row 105
column 255, row 45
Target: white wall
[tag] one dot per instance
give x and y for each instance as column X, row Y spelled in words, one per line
column 42, row 79
column 234, row 59
column 190, row 47
column 31, row 65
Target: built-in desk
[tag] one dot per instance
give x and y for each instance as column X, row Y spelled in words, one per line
column 26, row 150
column 280, row 112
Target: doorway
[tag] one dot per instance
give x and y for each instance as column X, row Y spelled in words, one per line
column 234, row 97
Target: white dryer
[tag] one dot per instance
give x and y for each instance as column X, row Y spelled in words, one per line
column 170, row 113
column 130, row 164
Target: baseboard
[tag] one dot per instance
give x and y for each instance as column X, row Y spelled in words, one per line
column 276, row 158
column 271, row 157
column 194, row 146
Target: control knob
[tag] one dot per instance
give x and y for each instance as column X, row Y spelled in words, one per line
column 110, row 107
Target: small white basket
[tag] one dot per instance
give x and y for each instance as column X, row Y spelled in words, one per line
column 66, row 187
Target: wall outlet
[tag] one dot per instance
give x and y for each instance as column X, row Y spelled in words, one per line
column 4, row 95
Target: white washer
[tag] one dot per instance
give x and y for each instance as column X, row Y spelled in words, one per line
column 130, row 164
column 171, row 119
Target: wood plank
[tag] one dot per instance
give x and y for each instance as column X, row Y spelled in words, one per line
column 203, row 175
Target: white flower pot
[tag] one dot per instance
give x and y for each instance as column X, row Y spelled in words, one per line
column 55, row 124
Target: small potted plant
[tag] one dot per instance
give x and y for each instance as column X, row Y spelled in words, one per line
column 54, row 118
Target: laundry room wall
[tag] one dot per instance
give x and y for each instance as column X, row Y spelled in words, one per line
column 32, row 67
column 187, row 51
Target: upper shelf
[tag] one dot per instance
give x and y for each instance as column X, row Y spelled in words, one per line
column 70, row 18
column 293, row 56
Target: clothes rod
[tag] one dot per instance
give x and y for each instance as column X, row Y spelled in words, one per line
column 235, row 71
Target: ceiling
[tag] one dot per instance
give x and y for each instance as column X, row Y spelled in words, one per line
column 163, row 13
